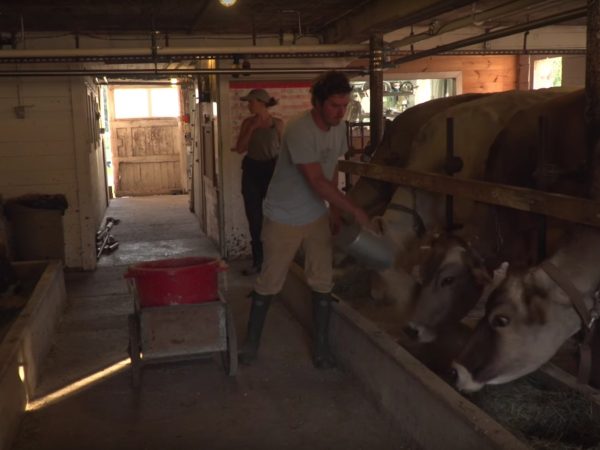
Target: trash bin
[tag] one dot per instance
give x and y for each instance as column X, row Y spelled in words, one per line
column 37, row 226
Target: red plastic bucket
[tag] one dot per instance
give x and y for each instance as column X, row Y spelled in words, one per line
column 176, row 281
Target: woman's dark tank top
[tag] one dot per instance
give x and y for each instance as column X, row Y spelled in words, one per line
column 264, row 144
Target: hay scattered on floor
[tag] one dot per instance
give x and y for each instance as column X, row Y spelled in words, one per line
column 548, row 418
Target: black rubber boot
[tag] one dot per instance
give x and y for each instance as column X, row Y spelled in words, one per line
column 322, row 358
column 256, row 322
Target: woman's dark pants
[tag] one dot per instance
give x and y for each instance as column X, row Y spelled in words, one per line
column 256, row 176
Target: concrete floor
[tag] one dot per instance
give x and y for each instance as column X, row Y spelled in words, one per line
column 281, row 402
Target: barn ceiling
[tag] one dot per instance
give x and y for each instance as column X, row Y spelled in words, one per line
column 334, row 21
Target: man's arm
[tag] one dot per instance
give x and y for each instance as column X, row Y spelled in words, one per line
column 328, row 191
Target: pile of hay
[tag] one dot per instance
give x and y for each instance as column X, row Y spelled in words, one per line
column 546, row 417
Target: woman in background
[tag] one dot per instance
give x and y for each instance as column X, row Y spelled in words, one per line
column 259, row 140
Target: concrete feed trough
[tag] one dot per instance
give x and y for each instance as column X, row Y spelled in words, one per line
column 25, row 339
column 425, row 407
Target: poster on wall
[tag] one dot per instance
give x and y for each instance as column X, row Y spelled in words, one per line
column 293, row 98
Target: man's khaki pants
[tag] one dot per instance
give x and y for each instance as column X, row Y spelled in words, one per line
column 280, row 244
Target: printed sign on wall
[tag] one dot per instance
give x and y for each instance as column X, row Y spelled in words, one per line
column 293, row 97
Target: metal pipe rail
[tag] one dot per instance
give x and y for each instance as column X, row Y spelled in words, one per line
column 170, row 72
column 574, row 209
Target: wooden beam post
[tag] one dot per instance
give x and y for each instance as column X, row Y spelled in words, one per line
column 592, row 90
column 376, row 89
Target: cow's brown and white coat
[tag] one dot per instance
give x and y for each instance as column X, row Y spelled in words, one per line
column 529, row 316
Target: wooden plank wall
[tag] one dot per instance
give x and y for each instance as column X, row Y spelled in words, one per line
column 479, row 73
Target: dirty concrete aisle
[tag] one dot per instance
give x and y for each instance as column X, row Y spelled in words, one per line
column 281, row 402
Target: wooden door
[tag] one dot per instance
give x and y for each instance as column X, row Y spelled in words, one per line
column 147, row 156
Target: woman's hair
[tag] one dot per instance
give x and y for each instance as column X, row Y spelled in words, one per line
column 328, row 84
column 272, row 102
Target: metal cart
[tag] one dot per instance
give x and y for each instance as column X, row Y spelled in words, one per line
column 181, row 332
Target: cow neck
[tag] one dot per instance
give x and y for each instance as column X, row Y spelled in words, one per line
column 418, row 224
column 589, row 318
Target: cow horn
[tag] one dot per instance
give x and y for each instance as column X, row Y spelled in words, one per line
column 500, row 274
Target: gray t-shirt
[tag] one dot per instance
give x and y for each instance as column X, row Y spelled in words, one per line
column 290, row 199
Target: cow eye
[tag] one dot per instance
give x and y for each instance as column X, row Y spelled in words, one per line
column 447, row 281
column 500, row 321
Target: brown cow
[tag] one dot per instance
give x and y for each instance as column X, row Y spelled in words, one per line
column 395, row 149
column 452, row 276
column 529, row 316
column 476, row 125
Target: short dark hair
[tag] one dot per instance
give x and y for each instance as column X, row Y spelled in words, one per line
column 328, row 84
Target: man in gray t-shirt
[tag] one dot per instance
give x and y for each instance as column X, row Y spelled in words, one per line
column 296, row 214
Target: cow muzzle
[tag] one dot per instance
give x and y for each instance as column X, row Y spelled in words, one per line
column 463, row 380
column 420, row 333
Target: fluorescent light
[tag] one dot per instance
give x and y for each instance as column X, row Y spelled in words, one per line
column 227, row 3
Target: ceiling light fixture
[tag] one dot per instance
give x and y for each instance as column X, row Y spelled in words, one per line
column 227, row 3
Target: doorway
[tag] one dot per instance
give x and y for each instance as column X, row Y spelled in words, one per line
column 145, row 139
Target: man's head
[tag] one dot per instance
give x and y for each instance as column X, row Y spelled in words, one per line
column 330, row 97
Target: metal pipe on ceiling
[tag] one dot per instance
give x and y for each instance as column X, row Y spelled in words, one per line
column 550, row 20
column 216, row 52
column 175, row 72
column 499, row 51
column 492, row 13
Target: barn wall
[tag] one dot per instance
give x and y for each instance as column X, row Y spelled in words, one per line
column 75, row 160
column 96, row 163
column 479, row 73
column 49, row 152
column 550, row 37
column 573, row 71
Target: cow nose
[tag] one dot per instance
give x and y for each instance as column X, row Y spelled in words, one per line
column 411, row 331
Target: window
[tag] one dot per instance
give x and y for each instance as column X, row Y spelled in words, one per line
column 547, row 73
column 141, row 103
column 398, row 95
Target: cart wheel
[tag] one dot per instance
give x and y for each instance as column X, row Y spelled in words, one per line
column 230, row 356
column 134, row 349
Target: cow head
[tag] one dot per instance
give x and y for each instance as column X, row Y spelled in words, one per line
column 451, row 280
column 527, row 319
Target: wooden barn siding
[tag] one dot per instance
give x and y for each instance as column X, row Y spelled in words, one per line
column 38, row 154
column 479, row 73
